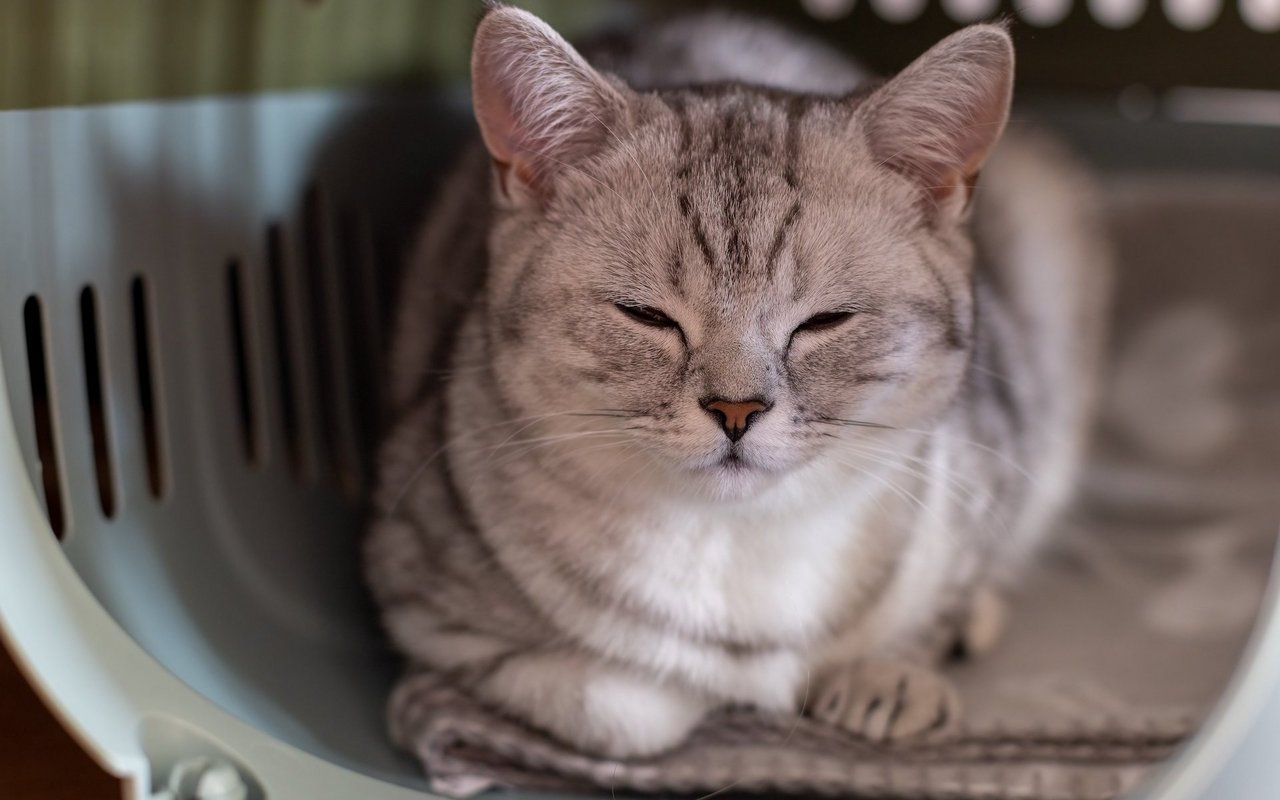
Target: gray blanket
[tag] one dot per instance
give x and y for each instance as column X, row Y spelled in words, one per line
column 1129, row 628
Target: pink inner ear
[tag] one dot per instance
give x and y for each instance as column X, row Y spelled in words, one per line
column 519, row 172
column 942, row 154
column 499, row 130
column 966, row 177
column 538, row 103
column 945, row 186
column 493, row 112
column 938, row 119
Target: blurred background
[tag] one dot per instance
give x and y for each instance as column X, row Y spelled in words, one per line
column 61, row 52
column 1175, row 103
column 1088, row 65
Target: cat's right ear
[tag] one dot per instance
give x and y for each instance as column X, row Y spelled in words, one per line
column 938, row 119
column 541, row 107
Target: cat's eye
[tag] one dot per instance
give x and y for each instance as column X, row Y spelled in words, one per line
column 647, row 315
column 824, row 321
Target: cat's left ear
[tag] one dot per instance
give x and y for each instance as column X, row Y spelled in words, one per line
column 937, row 120
column 542, row 108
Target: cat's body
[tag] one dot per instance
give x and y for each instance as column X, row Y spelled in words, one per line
column 561, row 526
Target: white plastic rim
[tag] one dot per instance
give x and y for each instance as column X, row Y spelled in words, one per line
column 899, row 11
column 104, row 622
column 1192, row 15
column 828, row 9
column 1043, row 13
column 1261, row 15
column 969, row 10
column 1234, row 756
column 101, row 685
column 1251, row 107
column 1117, row 13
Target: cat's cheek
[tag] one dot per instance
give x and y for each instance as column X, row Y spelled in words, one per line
column 887, row 381
column 653, row 387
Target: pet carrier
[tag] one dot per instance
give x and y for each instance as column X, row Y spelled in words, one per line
column 196, row 260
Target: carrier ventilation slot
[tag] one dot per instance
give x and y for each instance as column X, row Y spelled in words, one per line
column 90, row 337
column 140, row 302
column 360, row 285
column 318, row 260
column 283, row 347
column 42, row 410
column 249, row 435
column 314, row 269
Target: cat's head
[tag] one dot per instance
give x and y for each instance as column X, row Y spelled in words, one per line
column 737, row 275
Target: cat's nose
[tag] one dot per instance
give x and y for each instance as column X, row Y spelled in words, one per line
column 735, row 416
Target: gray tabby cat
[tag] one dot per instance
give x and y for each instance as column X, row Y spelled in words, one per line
column 705, row 397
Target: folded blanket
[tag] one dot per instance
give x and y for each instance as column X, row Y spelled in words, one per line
column 1126, row 632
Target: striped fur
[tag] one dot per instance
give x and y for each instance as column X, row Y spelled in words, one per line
column 561, row 526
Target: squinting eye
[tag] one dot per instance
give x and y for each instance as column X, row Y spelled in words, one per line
column 647, row 315
column 826, row 321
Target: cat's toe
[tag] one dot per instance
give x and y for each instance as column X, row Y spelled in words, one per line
column 887, row 700
column 832, row 699
column 927, row 703
column 988, row 618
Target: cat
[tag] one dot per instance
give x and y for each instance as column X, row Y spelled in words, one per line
column 720, row 379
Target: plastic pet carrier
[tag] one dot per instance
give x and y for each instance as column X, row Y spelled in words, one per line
column 202, row 207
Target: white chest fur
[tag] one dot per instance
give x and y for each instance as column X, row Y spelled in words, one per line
column 751, row 573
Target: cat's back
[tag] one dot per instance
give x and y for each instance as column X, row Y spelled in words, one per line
column 724, row 47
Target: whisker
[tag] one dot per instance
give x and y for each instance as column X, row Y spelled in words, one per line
column 530, row 445
column 644, row 451
column 923, row 472
column 947, row 436
column 647, row 177
column 893, row 486
column 420, row 470
column 988, row 371
column 854, row 423
column 945, row 481
column 637, row 448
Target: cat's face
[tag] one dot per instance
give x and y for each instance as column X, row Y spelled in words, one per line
column 735, row 279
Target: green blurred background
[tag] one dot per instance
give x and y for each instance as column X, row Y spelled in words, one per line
column 68, row 52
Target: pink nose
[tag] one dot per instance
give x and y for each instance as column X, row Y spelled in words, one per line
column 735, row 416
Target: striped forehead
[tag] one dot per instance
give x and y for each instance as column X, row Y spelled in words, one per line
column 737, row 187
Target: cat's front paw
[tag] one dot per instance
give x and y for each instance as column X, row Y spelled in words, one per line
column 598, row 708
column 886, row 700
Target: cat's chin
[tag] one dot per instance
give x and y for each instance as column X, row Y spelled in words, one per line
column 734, row 476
